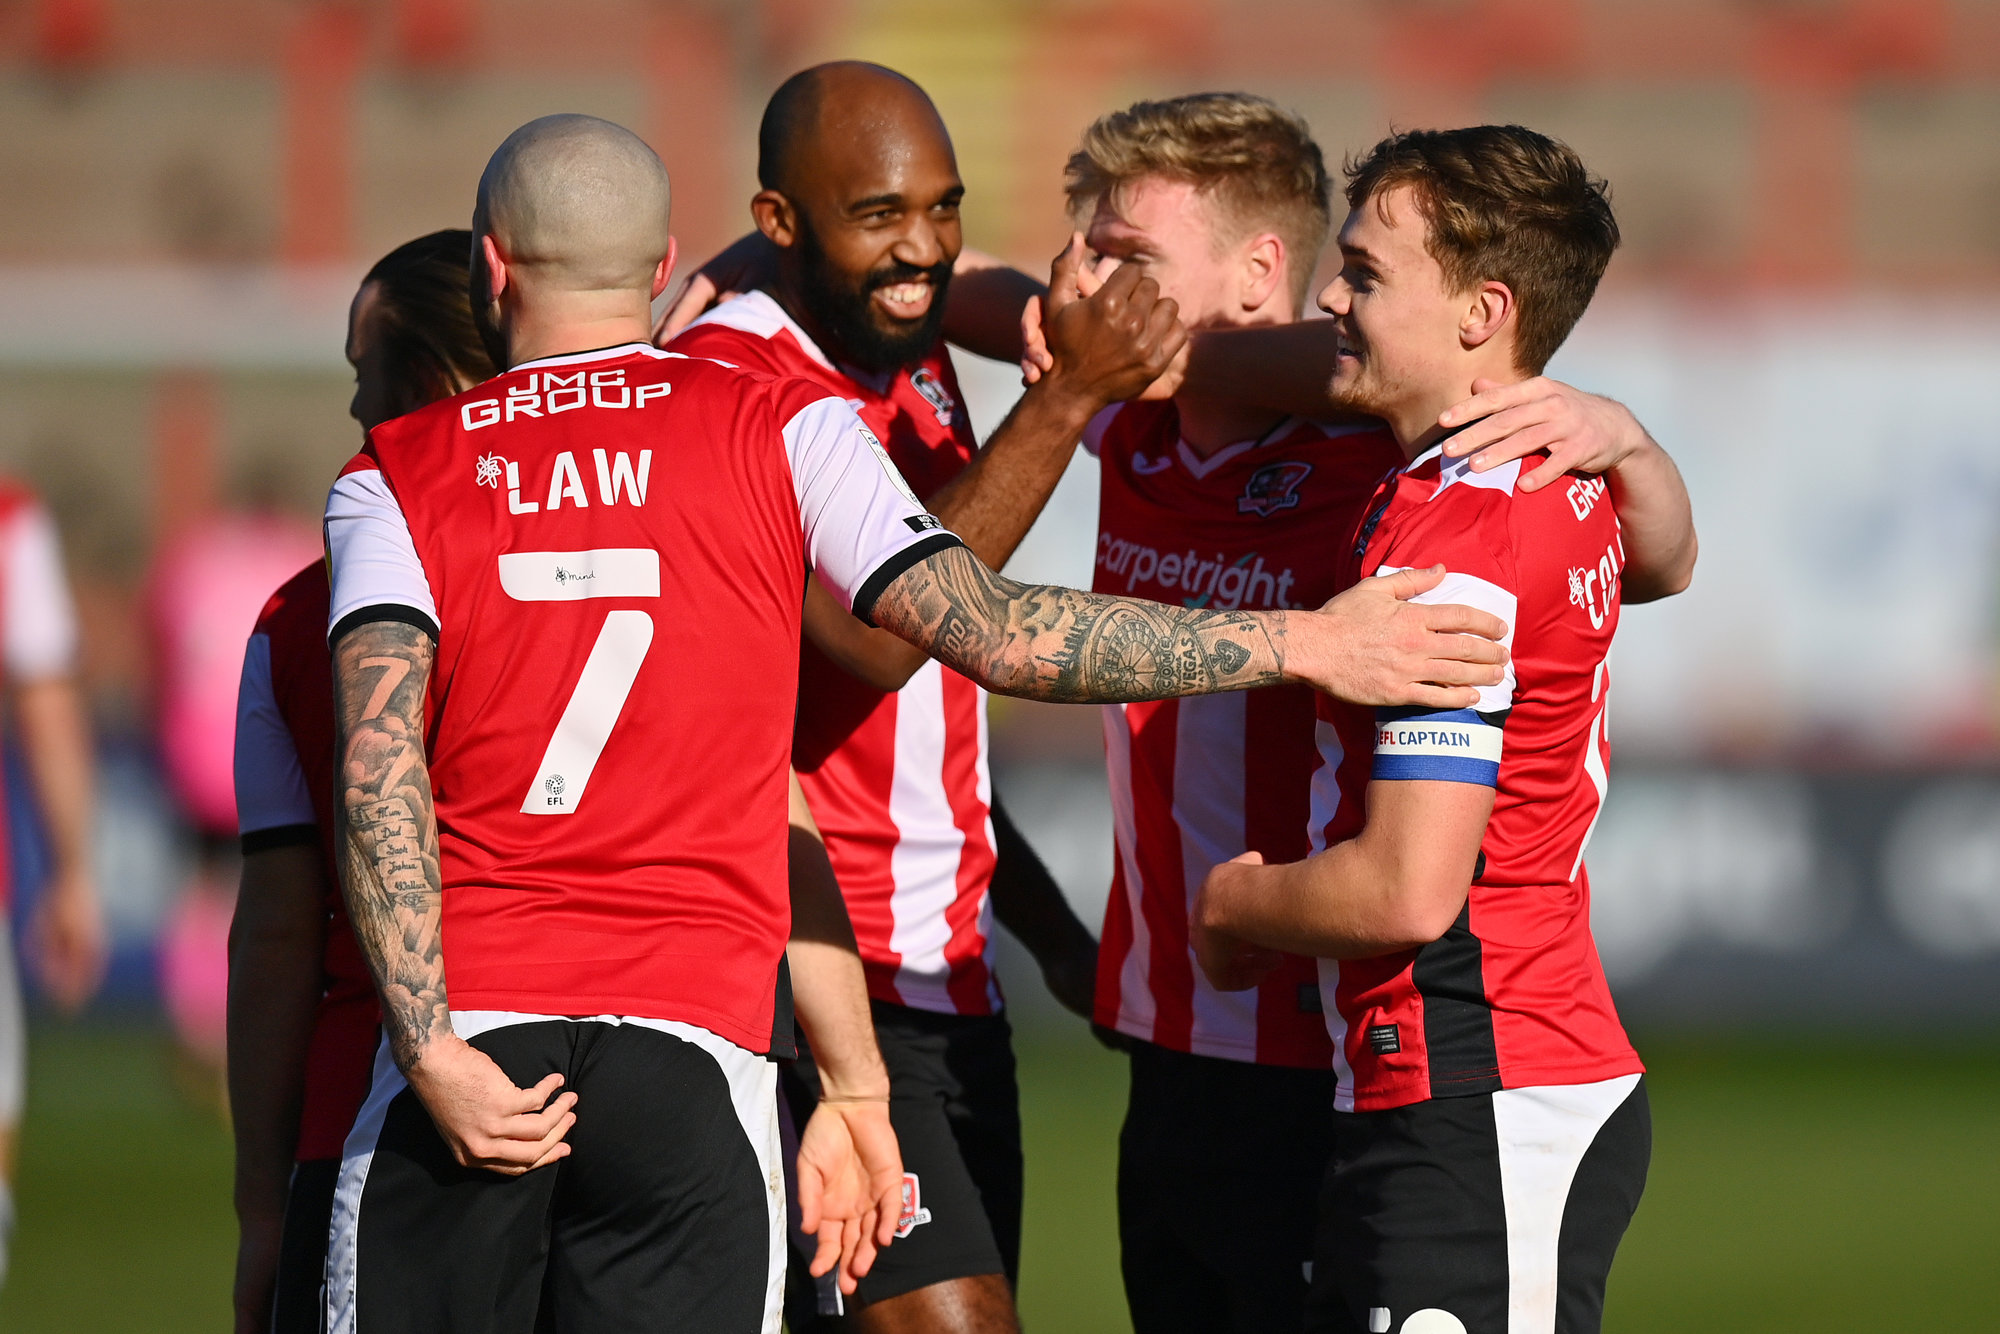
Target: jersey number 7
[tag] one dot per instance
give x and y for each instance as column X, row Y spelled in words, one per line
column 598, row 698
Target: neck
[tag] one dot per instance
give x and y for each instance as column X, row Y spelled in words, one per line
column 785, row 291
column 1209, row 423
column 581, row 323
column 1415, row 421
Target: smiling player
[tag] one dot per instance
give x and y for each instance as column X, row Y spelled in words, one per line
column 1493, row 1134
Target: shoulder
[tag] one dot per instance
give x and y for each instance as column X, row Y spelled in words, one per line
column 754, row 332
column 1123, row 427
column 300, row 601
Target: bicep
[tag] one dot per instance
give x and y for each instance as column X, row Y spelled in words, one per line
column 1428, row 831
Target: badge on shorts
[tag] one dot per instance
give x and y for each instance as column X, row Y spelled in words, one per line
column 914, row 1212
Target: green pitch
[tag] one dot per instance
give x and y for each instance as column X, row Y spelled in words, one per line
column 1796, row 1187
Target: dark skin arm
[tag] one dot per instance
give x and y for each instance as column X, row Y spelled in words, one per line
column 1029, row 903
column 395, row 898
column 1105, row 349
column 276, row 942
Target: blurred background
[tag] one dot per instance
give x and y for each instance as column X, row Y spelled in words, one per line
column 1797, row 875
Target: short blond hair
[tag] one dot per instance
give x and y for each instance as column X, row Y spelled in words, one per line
column 1255, row 160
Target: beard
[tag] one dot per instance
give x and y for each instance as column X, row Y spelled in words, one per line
column 855, row 330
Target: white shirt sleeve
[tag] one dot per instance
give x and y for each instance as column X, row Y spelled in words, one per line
column 38, row 640
column 372, row 559
column 863, row 524
column 271, row 790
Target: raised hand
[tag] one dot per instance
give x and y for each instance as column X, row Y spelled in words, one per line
column 1372, row 645
column 1115, row 340
column 485, row 1118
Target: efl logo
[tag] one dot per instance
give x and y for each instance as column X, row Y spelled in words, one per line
column 1272, row 489
column 914, row 1213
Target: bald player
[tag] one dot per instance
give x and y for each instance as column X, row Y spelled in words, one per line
column 860, row 202
column 578, row 1134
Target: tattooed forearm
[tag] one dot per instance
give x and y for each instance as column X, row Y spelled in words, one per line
column 389, row 857
column 1045, row 642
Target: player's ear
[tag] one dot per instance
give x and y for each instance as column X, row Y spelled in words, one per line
column 1489, row 307
column 665, row 269
column 1262, row 270
column 496, row 267
column 776, row 217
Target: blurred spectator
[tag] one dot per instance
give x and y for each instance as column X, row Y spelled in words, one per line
column 66, row 936
column 202, row 599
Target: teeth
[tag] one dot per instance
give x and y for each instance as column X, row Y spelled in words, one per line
column 906, row 294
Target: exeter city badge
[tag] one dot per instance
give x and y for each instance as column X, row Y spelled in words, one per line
column 935, row 394
column 1273, row 488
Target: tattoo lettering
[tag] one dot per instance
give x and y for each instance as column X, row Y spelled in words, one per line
column 389, row 857
column 1046, row 642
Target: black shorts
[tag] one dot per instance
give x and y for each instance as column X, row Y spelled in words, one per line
column 1496, row 1212
column 1219, row 1165
column 299, row 1306
column 957, row 1114
column 668, row 1213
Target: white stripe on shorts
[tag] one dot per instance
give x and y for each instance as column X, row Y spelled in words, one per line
column 753, row 1090
column 1543, row 1133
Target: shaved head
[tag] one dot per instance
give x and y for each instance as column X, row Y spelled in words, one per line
column 576, row 204
column 839, row 105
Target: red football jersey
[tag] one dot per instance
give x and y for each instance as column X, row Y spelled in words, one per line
column 1197, row 781
column 1513, row 995
column 37, row 619
column 897, row 782
column 611, row 548
column 284, row 785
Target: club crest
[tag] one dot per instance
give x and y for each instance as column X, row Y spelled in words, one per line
column 935, row 394
column 1273, row 488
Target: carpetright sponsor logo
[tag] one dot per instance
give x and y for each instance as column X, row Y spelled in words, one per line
column 1195, row 579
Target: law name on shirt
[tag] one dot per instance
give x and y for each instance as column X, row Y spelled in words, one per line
column 618, row 479
column 1201, row 581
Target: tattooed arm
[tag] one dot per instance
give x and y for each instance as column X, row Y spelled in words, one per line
column 1040, row 641
column 390, row 876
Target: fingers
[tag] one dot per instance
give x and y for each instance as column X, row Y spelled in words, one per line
column 1489, row 396
column 826, row 1253
column 1064, row 272
column 812, row 1190
column 1165, row 331
column 1465, row 624
column 1442, row 697
column 1406, row 584
column 1493, row 437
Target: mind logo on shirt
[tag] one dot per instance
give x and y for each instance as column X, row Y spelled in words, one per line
column 487, row 471
column 1273, row 488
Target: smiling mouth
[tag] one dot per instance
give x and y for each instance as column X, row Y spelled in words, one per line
column 904, row 301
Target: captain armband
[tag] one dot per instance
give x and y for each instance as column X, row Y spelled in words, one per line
column 1450, row 745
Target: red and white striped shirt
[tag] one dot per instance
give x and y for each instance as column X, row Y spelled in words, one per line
column 897, row 782
column 1194, row 782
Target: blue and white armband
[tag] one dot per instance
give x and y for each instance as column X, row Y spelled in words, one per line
column 1449, row 746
